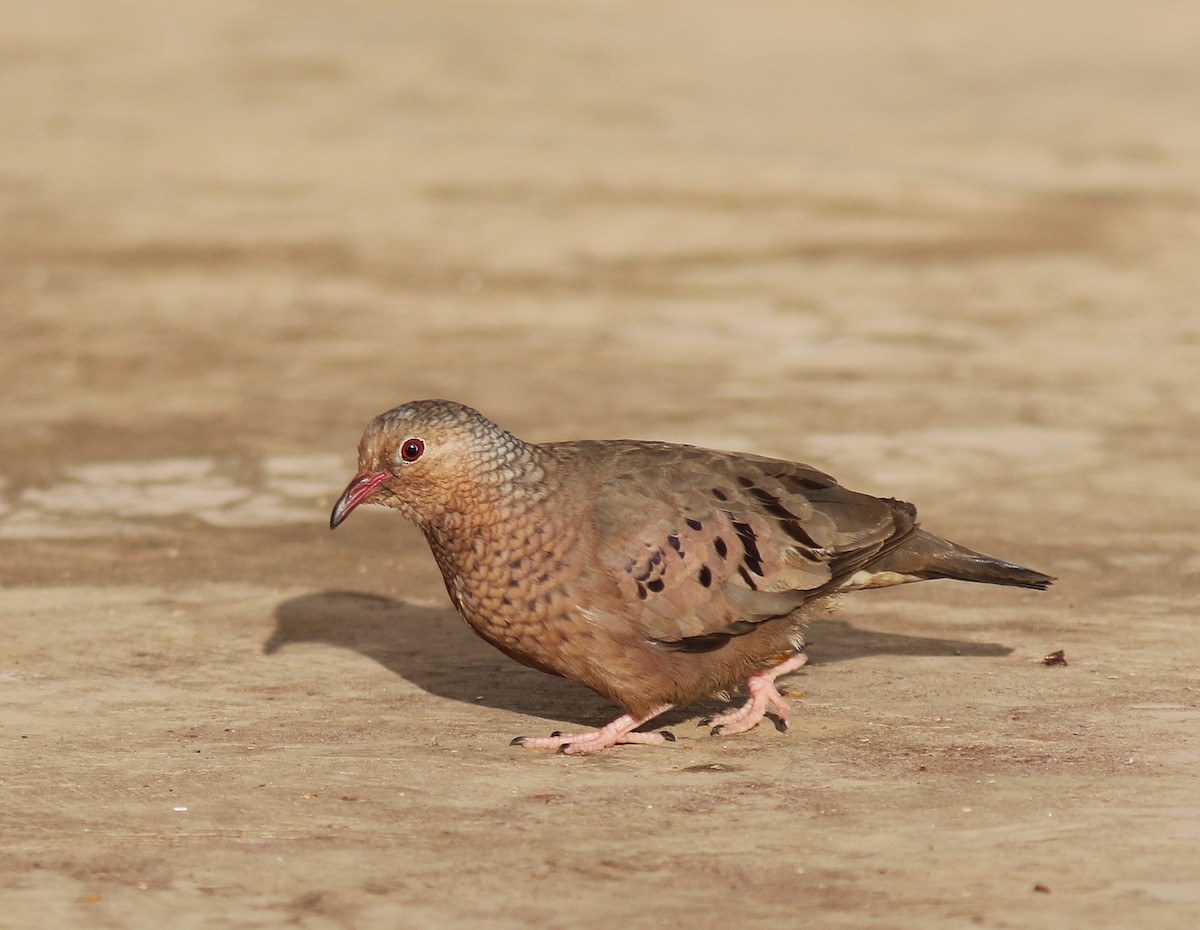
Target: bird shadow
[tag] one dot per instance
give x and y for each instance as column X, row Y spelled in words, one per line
column 435, row 650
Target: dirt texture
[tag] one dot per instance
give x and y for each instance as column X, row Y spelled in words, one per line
column 946, row 252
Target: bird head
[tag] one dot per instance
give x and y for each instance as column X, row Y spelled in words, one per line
column 427, row 458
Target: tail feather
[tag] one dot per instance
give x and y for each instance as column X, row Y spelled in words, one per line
column 924, row 556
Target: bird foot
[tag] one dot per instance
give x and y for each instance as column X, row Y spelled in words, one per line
column 619, row 731
column 763, row 692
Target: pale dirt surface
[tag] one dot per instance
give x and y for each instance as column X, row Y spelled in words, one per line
column 947, row 252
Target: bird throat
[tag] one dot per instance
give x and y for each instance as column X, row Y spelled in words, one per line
column 504, row 561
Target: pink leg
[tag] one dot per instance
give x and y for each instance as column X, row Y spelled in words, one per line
column 619, row 731
column 761, row 686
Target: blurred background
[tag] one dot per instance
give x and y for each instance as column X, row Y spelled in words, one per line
column 259, row 224
column 935, row 250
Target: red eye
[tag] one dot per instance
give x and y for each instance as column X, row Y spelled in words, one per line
column 411, row 450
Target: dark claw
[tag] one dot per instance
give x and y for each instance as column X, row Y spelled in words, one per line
column 562, row 750
column 781, row 725
column 518, row 740
column 716, row 731
column 704, row 721
column 556, row 733
column 667, row 735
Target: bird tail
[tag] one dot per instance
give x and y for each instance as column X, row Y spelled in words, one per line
column 923, row 555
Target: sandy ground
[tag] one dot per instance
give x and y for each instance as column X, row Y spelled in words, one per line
column 947, row 252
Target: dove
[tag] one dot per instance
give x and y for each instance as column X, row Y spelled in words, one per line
column 654, row 573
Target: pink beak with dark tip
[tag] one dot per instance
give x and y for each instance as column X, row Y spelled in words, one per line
column 357, row 491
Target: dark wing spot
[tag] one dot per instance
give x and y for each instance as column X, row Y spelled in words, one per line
column 797, row 531
column 641, row 591
column 705, row 575
column 719, row 545
column 807, row 484
column 787, row 520
column 651, row 567
column 745, row 482
column 656, row 585
column 694, row 524
column 746, row 578
column 719, row 494
column 753, row 558
column 772, row 504
column 674, row 541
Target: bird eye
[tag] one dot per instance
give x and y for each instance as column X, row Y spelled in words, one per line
column 411, row 449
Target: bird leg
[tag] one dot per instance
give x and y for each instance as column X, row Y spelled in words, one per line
column 620, row 730
column 761, row 686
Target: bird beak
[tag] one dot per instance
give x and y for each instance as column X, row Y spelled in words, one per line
column 357, row 491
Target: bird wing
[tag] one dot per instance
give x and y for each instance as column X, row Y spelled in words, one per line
column 705, row 545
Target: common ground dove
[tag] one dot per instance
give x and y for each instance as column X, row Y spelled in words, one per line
column 653, row 573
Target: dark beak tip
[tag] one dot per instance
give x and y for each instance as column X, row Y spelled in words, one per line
column 341, row 510
column 339, row 515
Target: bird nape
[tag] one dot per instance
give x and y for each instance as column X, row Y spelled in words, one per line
column 654, row 573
